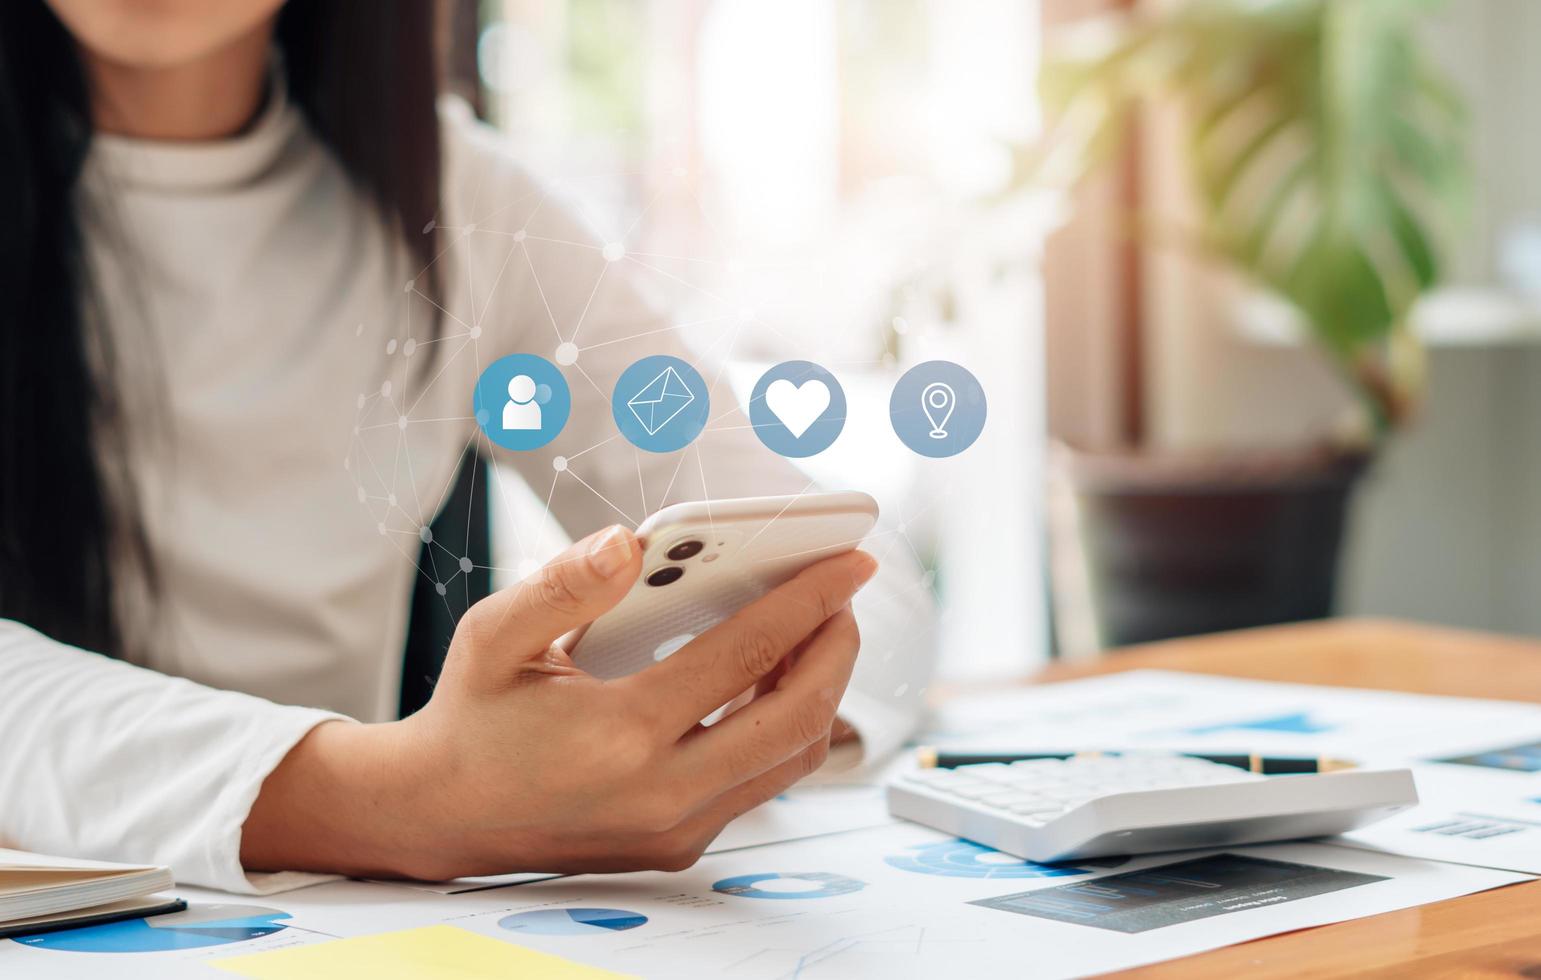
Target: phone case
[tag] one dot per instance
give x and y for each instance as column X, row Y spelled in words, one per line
column 750, row 546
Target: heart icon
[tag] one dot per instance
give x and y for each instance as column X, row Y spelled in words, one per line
column 797, row 406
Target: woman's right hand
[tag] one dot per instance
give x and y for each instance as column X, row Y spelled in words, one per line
column 523, row 762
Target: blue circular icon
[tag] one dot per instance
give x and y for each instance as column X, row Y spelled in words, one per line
column 660, row 404
column 521, row 401
column 820, row 884
column 938, row 409
column 797, row 409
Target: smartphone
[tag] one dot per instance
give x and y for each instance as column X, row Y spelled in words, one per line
column 705, row 560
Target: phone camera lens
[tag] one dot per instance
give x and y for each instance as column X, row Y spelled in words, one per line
column 685, row 549
column 666, row 575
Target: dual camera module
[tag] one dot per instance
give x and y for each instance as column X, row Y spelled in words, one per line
column 683, row 551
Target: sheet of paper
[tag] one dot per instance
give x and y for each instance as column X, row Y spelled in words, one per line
column 1166, row 709
column 891, row 902
column 902, row 901
column 801, row 813
column 1470, row 814
column 412, row 954
column 10, row 859
column 357, row 908
column 831, row 808
column 1477, row 763
column 170, row 946
column 898, row 900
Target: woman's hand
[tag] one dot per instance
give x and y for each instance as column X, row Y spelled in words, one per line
column 523, row 762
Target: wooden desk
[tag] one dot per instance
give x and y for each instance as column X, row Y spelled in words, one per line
column 1496, row 933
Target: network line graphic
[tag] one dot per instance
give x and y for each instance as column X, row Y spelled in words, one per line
column 534, row 255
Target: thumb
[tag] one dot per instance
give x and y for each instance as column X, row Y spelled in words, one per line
column 570, row 591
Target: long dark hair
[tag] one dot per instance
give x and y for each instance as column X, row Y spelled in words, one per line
column 365, row 75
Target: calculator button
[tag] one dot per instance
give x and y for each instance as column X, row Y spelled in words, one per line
column 974, row 792
column 1013, row 800
column 931, row 776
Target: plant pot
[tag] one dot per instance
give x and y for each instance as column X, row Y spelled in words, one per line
column 1179, row 544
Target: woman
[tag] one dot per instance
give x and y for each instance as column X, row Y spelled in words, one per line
column 223, row 222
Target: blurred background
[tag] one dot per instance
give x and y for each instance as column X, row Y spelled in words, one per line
column 1249, row 357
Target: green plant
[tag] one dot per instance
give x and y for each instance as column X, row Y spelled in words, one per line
column 1327, row 151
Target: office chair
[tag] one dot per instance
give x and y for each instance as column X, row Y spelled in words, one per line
column 461, row 529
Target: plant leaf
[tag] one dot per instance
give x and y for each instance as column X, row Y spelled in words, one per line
column 1327, row 149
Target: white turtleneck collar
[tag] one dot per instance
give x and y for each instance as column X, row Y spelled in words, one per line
column 201, row 166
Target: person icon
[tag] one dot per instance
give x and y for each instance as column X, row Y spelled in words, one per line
column 521, row 402
column 522, row 412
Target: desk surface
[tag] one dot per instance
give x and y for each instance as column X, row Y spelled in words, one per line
column 1496, row 933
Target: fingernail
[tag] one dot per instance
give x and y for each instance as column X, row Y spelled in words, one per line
column 609, row 552
column 865, row 570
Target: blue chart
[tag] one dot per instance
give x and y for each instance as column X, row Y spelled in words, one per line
column 1297, row 723
column 1520, row 758
column 803, row 884
column 572, row 922
column 199, row 926
column 965, row 859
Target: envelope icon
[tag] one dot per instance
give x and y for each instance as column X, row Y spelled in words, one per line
column 660, row 400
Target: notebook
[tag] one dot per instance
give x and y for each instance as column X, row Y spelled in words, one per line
column 40, row 893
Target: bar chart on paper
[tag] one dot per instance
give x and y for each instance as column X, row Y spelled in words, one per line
column 1475, row 826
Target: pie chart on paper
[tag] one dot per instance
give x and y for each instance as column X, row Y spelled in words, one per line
column 198, row 927
column 802, row 884
column 572, row 922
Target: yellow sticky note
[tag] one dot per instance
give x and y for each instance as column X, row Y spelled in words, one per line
column 428, row 953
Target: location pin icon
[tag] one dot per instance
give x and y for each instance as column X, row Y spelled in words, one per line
column 938, row 401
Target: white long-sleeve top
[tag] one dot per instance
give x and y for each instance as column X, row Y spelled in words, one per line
column 273, row 338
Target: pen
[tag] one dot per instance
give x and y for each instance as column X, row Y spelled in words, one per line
column 931, row 758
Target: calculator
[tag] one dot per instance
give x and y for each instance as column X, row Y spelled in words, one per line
column 1051, row 810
